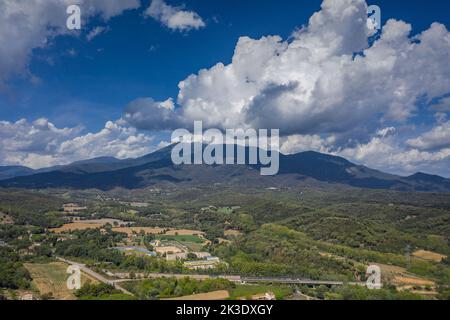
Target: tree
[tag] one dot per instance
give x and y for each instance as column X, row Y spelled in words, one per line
column 191, row 256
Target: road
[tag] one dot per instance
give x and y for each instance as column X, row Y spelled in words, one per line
column 95, row 275
column 308, row 282
column 239, row 279
column 124, row 277
column 200, row 277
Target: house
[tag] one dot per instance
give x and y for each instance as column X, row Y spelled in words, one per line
column 213, row 259
column 168, row 250
column 176, row 256
column 202, row 255
column 266, row 296
column 108, row 273
column 201, row 264
column 28, row 296
column 210, row 208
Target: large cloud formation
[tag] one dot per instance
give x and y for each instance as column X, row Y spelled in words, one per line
column 40, row 143
column 29, row 24
column 437, row 138
column 328, row 85
column 329, row 88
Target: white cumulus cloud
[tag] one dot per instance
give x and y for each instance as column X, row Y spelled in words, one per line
column 96, row 32
column 40, row 144
column 29, row 24
column 327, row 88
column 437, row 138
column 385, row 151
column 443, row 105
column 391, row 155
column 175, row 18
column 314, row 84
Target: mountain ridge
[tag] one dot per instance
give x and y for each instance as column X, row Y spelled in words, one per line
column 155, row 168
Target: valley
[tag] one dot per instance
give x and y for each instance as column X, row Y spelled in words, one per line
column 325, row 236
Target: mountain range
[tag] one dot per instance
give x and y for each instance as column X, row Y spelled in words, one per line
column 107, row 173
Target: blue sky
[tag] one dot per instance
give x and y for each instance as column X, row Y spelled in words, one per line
column 74, row 82
column 139, row 57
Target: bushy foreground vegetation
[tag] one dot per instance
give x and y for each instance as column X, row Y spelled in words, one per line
column 358, row 293
column 100, row 292
column 13, row 275
column 172, row 287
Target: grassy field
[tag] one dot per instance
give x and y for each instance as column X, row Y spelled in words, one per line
column 428, row 255
column 225, row 210
column 184, row 232
column 194, row 246
column 77, row 226
column 182, row 238
column 194, row 243
column 232, row 233
column 214, row 295
column 50, row 278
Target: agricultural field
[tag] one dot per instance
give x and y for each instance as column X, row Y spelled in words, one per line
column 50, row 279
column 77, row 226
column 137, row 230
column 88, row 224
column 191, row 242
column 430, row 256
column 214, row 295
column 184, row 232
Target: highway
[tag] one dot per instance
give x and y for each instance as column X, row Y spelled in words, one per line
column 95, row 275
column 125, row 277
column 280, row 280
column 250, row 280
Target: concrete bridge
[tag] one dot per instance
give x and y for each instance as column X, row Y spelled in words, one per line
column 308, row 282
column 125, row 277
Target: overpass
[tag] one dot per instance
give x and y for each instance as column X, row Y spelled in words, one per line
column 297, row 281
column 125, row 277
column 237, row 279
